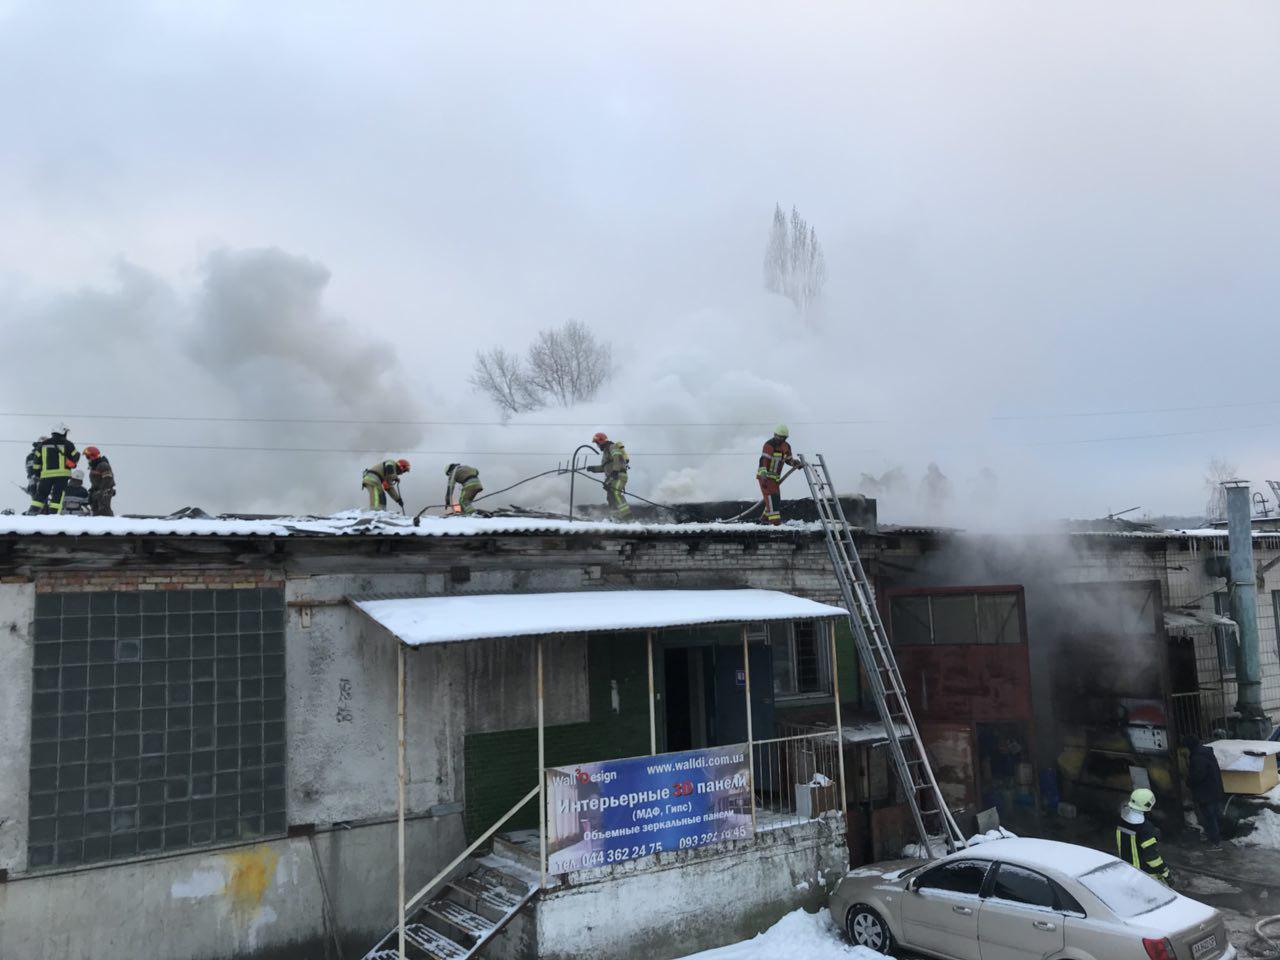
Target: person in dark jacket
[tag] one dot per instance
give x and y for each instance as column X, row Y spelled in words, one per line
column 1205, row 779
column 33, row 467
column 102, row 482
column 75, row 499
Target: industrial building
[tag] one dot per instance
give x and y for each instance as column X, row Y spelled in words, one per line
column 202, row 721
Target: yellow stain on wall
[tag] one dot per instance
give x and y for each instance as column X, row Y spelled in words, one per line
column 248, row 875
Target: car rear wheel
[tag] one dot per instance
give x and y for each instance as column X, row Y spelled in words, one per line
column 866, row 928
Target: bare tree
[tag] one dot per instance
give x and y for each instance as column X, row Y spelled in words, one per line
column 568, row 365
column 1216, row 472
column 777, row 255
column 499, row 374
column 794, row 264
column 564, row 366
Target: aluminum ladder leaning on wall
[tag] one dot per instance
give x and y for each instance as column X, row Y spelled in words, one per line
column 933, row 820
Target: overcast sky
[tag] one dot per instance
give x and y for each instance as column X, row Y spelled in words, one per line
column 228, row 210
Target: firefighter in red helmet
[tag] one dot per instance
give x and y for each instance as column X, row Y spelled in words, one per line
column 102, row 482
column 776, row 452
column 614, row 462
column 383, row 480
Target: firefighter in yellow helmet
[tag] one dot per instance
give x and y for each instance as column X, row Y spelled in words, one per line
column 383, row 480
column 1137, row 841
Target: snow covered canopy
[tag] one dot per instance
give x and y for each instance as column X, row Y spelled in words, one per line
column 1193, row 619
column 420, row 621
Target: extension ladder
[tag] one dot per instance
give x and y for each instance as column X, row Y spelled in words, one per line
column 933, row 820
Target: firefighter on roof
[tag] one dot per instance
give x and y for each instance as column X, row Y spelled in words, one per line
column 58, row 457
column 33, row 467
column 776, row 452
column 467, row 480
column 383, row 480
column 76, row 498
column 1137, row 841
column 102, row 482
column 613, row 464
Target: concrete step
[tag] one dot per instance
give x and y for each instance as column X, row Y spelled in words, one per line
column 521, row 847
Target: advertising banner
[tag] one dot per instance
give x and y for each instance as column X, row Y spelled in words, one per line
column 617, row 810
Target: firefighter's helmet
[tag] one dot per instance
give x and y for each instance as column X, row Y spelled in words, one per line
column 1142, row 800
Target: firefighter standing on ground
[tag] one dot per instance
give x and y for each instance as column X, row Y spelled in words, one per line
column 58, row 457
column 776, row 452
column 468, row 480
column 613, row 464
column 102, row 482
column 383, row 480
column 1137, row 841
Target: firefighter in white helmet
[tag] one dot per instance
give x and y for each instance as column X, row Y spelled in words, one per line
column 1137, row 841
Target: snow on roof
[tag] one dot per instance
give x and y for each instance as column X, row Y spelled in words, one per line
column 427, row 620
column 354, row 523
column 870, row 731
column 1196, row 619
column 1068, row 858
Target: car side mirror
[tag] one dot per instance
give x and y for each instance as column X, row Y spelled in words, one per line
column 911, row 885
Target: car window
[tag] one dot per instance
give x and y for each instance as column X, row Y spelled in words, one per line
column 1067, row 903
column 1022, row 886
column 1127, row 891
column 958, row 876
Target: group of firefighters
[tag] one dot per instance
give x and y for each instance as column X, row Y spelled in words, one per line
column 55, row 482
column 382, row 480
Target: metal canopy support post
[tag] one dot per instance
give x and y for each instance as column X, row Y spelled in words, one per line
column 542, row 777
column 653, row 715
column 835, row 695
column 400, row 777
column 751, row 754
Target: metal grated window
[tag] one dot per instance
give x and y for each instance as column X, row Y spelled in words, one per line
column 157, row 722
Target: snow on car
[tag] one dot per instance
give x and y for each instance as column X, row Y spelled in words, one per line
column 1025, row 898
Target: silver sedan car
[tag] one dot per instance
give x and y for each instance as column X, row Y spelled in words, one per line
column 1019, row 899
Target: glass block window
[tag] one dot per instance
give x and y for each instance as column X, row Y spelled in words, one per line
column 157, row 722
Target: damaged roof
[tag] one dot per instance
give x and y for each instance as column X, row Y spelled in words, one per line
column 359, row 523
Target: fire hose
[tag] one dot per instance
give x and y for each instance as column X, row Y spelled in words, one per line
column 1271, row 950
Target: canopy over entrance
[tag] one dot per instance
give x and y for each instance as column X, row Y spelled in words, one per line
column 421, row 621
column 429, row 621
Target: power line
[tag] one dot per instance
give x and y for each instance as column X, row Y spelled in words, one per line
column 1135, row 411
column 432, row 423
column 668, row 424
column 383, row 450
column 379, row 451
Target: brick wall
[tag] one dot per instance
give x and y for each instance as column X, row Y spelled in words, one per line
column 160, row 578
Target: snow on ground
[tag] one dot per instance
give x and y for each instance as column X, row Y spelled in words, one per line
column 797, row 936
column 1264, row 815
column 1199, row 885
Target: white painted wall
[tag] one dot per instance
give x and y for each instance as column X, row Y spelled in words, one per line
column 695, row 901
column 230, row 903
column 16, row 650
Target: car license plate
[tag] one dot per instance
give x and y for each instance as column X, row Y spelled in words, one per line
column 1203, row 948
